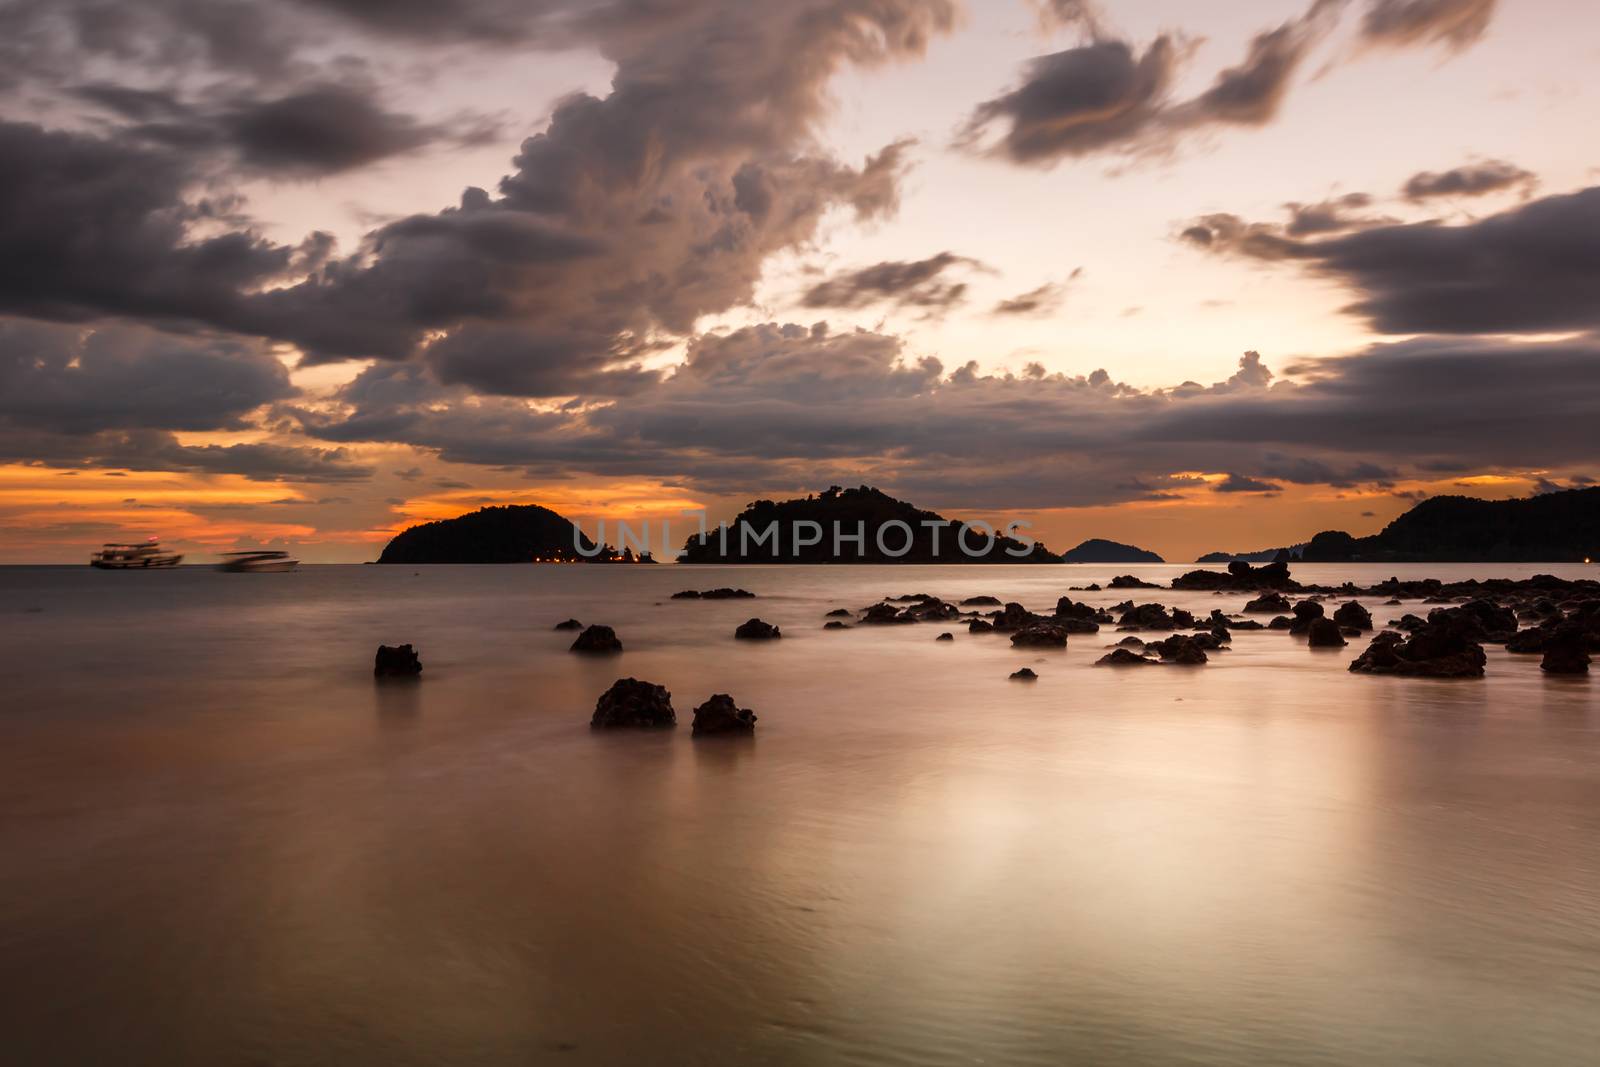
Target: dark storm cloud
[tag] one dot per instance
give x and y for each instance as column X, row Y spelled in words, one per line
column 93, row 226
column 1238, row 483
column 1532, row 269
column 513, row 361
column 782, row 406
column 914, row 283
column 82, row 380
column 1105, row 96
column 1471, row 179
column 1456, row 23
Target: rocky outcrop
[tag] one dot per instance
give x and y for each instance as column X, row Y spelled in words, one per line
column 946, row 636
column 1268, row 604
column 1305, row 613
column 981, row 602
column 1435, row 650
column 885, row 615
column 1180, row 649
column 756, row 630
column 715, row 594
column 1016, row 617
column 570, row 624
column 1566, row 651
column 720, row 715
column 1024, row 675
column 980, row 626
column 1325, row 633
column 632, row 704
column 839, row 613
column 597, row 640
column 1040, row 635
column 836, row 625
column 396, row 662
column 1124, row 657
column 1240, row 577
column 1352, row 615
column 1128, row 581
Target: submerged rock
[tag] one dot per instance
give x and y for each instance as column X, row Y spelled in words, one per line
column 980, row 626
column 981, row 602
column 1240, row 577
column 945, row 637
column 1269, row 603
column 1128, row 581
column 630, row 703
column 1353, row 615
column 597, row 639
column 720, row 715
column 396, row 662
column 836, row 625
column 1566, row 652
column 1148, row 617
column 756, row 630
column 1040, row 635
column 885, row 615
column 1124, row 657
column 1179, row 649
column 1435, row 650
column 1305, row 613
column 570, row 624
column 839, row 613
column 1024, row 675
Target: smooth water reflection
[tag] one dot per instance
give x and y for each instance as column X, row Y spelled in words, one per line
column 223, row 844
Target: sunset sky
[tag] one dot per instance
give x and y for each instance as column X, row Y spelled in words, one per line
column 1193, row 276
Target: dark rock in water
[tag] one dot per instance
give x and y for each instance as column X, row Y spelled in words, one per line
column 1016, row 617
column 1040, row 635
column 931, row 609
column 1124, row 657
column 1481, row 620
column 725, row 593
column 945, row 637
column 1436, row 650
column 1324, row 633
column 1148, row 617
column 839, row 613
column 1566, row 652
column 631, row 703
column 720, row 715
column 1353, row 615
column 1282, row 622
column 1131, row 642
column 1269, row 603
column 1179, row 649
column 756, row 630
column 401, row 662
column 1128, row 581
column 907, row 598
column 980, row 601
column 570, row 624
column 597, row 639
column 1533, row 639
column 836, row 625
column 1305, row 613
column 885, row 615
column 1067, row 608
column 687, row 594
column 1240, row 577
column 980, row 626
column 1247, row 624
column 1024, row 675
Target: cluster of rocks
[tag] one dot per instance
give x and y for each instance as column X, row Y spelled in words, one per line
column 631, row 704
column 715, row 594
column 1240, row 577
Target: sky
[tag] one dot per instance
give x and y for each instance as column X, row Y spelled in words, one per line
column 1197, row 277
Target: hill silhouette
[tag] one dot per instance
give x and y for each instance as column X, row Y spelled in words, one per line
column 847, row 512
column 1099, row 550
column 1553, row 528
column 520, row 533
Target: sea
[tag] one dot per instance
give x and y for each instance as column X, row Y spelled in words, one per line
column 222, row 843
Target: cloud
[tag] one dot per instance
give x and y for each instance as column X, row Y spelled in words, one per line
column 1530, row 269
column 1332, row 216
column 1045, row 300
column 916, row 283
column 1471, row 179
column 1455, row 23
column 1238, row 483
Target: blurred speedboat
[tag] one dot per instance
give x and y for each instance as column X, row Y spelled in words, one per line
column 257, row 562
column 113, row 557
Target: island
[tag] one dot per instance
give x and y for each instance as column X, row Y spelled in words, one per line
column 1551, row 528
column 519, row 533
column 861, row 525
column 1099, row 550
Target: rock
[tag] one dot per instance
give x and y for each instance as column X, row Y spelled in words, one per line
column 1016, row 617
column 1067, row 608
column 839, row 613
column 1481, row 620
column 570, row 624
column 1566, row 652
column 1128, row 581
column 981, row 601
column 1124, row 657
column 1324, row 633
column 1436, row 650
column 1353, row 615
column 931, row 609
column 1179, row 649
column 1240, row 577
column 597, row 639
column 401, row 662
column 756, row 630
column 1305, row 613
column 836, row 625
column 1269, row 603
column 720, row 715
column 727, row 594
column 1024, row 675
column 1282, row 622
column 1040, row 635
column 687, row 594
column 980, row 626
column 884, row 615
column 1130, row 642
column 1147, row 617
column 1247, row 624
column 945, row 637
column 630, row 703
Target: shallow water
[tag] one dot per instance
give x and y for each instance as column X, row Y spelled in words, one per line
column 221, row 843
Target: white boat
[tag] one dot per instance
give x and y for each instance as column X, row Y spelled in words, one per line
column 114, row 557
column 257, row 562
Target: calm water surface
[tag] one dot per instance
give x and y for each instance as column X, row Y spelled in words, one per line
column 221, row 843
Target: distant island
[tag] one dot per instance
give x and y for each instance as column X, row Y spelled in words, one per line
column 1265, row 555
column 1099, row 550
column 522, row 533
column 885, row 525
column 1552, row 528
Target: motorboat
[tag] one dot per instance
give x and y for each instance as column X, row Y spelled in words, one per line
column 257, row 562
column 140, row 556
